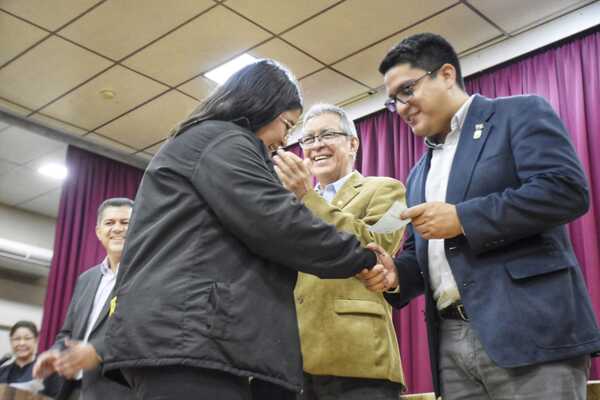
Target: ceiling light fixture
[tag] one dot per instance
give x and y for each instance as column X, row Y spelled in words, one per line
column 108, row 94
column 224, row 71
column 55, row 171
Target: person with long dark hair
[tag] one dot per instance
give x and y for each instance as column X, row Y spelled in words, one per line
column 204, row 305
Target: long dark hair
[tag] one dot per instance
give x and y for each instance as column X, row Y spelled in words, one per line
column 252, row 97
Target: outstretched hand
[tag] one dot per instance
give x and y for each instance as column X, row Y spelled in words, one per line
column 383, row 276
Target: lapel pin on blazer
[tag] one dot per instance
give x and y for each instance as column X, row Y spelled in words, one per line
column 478, row 129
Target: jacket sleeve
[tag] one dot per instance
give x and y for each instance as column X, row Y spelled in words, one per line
column 553, row 188
column 410, row 277
column 380, row 201
column 234, row 179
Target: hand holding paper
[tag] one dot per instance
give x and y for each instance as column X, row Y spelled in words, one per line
column 434, row 220
column 391, row 221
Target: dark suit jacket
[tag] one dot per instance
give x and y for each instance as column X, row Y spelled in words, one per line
column 515, row 187
column 93, row 385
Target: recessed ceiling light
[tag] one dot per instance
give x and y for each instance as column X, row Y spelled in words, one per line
column 52, row 170
column 108, row 94
column 224, row 71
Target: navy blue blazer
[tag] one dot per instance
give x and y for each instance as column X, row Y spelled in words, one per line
column 515, row 187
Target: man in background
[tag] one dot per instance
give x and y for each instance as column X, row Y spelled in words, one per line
column 77, row 352
column 348, row 341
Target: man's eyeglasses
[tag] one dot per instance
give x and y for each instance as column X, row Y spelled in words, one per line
column 325, row 137
column 405, row 92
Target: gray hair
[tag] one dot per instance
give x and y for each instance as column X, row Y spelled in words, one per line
column 319, row 109
column 113, row 202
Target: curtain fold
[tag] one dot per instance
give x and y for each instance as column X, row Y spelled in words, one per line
column 92, row 179
column 568, row 76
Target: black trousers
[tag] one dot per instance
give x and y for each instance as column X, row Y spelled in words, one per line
column 190, row 383
column 318, row 387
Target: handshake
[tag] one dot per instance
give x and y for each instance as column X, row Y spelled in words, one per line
column 383, row 276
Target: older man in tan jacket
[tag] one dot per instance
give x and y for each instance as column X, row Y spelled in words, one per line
column 348, row 341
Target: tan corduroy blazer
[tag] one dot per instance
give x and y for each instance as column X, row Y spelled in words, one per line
column 346, row 330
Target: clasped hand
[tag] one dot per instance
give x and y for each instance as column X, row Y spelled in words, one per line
column 293, row 172
column 77, row 356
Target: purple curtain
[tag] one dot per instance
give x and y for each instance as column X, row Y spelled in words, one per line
column 568, row 76
column 92, row 179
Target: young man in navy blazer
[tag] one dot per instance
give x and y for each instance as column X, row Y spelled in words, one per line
column 508, row 314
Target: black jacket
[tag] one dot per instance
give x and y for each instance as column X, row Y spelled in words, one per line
column 211, row 260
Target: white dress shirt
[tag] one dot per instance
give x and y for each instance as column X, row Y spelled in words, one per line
column 106, row 286
column 445, row 291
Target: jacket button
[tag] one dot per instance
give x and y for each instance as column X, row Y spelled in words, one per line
column 300, row 300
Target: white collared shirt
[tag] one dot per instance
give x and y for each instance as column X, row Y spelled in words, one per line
column 445, row 291
column 331, row 189
column 107, row 284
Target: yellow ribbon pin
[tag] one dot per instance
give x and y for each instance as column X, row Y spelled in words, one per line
column 113, row 306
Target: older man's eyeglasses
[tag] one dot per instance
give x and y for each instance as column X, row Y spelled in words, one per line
column 406, row 91
column 325, row 137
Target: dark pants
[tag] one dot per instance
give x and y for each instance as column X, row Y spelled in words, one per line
column 335, row 387
column 183, row 383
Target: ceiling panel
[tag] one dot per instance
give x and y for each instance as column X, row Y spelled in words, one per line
column 472, row 31
column 277, row 15
column 151, row 122
column 49, row 14
column 199, row 87
column 513, row 15
column 154, row 149
column 117, row 28
column 46, row 204
column 108, row 143
column 88, row 108
column 57, row 156
column 47, row 71
column 23, row 184
column 14, row 108
column 58, row 125
column 6, row 166
column 182, row 54
column 356, row 24
column 16, row 36
column 298, row 62
column 328, row 87
column 21, row 146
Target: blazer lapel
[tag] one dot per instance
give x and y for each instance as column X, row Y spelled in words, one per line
column 473, row 136
column 87, row 302
column 348, row 191
column 103, row 314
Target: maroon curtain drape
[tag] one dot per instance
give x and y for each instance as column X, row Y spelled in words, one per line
column 92, row 179
column 568, row 76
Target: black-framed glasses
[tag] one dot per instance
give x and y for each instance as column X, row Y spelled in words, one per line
column 406, row 91
column 325, row 137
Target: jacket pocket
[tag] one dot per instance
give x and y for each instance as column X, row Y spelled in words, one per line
column 343, row 306
column 548, row 297
column 219, row 302
column 524, row 268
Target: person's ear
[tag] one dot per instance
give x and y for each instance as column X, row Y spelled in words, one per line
column 447, row 73
column 354, row 145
